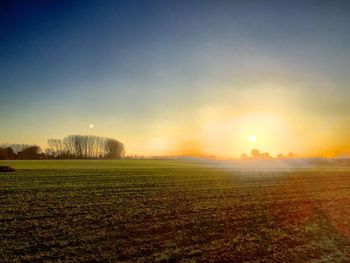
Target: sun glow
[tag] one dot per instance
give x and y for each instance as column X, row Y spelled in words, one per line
column 252, row 138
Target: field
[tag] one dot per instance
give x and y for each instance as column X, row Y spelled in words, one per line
column 170, row 211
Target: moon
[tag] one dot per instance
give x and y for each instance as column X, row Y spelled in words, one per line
column 252, row 138
column 91, row 126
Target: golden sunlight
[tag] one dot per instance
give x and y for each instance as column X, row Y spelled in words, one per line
column 252, row 138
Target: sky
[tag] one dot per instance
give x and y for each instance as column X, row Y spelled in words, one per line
column 178, row 77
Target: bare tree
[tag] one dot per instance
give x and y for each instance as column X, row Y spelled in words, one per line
column 56, row 147
column 114, row 149
column 81, row 146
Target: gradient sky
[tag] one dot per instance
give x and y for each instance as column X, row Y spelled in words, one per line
column 178, row 77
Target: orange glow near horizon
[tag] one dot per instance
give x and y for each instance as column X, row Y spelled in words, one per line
column 231, row 137
column 226, row 128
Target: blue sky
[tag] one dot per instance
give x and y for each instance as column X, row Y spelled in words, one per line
column 152, row 73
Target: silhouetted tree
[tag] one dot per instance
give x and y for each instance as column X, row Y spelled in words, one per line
column 56, row 147
column 114, row 149
column 86, row 146
column 255, row 153
column 7, row 154
column 30, row 153
column 244, row 156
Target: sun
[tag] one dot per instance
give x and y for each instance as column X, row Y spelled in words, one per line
column 91, row 126
column 252, row 138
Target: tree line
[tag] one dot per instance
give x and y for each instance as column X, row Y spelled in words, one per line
column 85, row 147
column 70, row 147
column 20, row 152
